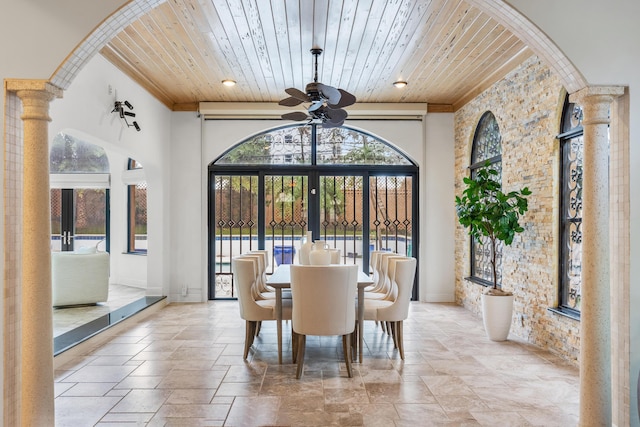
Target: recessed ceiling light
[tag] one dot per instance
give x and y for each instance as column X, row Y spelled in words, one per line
column 229, row 82
column 400, row 84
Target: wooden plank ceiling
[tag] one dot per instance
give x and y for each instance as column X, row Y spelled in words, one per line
column 446, row 50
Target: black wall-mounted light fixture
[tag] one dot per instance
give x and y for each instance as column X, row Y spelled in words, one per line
column 119, row 108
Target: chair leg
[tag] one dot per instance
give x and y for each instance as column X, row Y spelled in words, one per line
column 294, row 346
column 383, row 326
column 389, row 328
column 346, row 349
column 258, row 325
column 248, row 337
column 394, row 335
column 301, row 345
column 354, row 342
column 400, row 341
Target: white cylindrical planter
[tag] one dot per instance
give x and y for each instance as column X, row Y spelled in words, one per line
column 497, row 312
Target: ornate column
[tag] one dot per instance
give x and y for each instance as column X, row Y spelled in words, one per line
column 37, row 397
column 595, row 324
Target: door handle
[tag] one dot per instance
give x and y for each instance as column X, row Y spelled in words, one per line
column 66, row 237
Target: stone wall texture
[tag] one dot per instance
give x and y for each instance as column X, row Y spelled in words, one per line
column 527, row 104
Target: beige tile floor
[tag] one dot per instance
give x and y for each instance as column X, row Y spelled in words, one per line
column 183, row 366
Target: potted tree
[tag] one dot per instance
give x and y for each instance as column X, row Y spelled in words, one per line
column 488, row 212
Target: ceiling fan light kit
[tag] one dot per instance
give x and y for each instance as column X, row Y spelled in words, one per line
column 326, row 103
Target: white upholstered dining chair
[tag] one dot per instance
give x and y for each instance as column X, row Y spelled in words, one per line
column 251, row 310
column 401, row 271
column 323, row 304
column 383, row 289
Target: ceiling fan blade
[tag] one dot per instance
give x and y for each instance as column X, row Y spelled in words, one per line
column 335, row 116
column 290, row 102
column 298, row 94
column 315, row 105
column 332, row 124
column 298, row 116
column 330, row 93
column 346, row 99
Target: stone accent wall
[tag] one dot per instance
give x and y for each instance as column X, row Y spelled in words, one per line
column 527, row 104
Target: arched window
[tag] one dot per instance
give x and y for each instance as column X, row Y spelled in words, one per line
column 350, row 189
column 79, row 183
column 72, row 155
column 571, row 148
column 486, row 147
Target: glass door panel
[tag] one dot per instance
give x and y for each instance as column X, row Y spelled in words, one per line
column 341, row 216
column 391, row 207
column 78, row 218
column 235, row 226
column 90, row 217
column 57, row 236
column 285, row 216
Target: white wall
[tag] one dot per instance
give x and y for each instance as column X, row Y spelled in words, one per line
column 85, row 112
column 188, row 256
column 439, row 223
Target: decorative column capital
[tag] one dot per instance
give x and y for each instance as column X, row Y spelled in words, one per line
column 596, row 100
column 35, row 96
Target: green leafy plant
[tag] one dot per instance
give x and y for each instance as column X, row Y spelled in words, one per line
column 488, row 212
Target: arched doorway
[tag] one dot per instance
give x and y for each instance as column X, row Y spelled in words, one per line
column 79, row 195
column 349, row 188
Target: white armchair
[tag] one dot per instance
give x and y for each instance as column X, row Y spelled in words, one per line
column 79, row 278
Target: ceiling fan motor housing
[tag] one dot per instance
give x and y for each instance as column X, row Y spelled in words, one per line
column 326, row 101
column 313, row 92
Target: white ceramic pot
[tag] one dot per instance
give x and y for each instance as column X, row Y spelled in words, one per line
column 319, row 245
column 305, row 249
column 320, row 257
column 497, row 312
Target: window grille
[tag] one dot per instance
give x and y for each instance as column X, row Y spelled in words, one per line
column 571, row 149
column 487, row 146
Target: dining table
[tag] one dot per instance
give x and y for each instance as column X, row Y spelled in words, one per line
column 281, row 279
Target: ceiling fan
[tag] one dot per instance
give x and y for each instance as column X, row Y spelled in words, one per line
column 325, row 102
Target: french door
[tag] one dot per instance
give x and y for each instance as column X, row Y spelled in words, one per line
column 353, row 212
column 79, row 218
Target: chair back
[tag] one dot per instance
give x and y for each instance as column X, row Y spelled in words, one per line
column 244, row 276
column 323, row 299
column 385, row 282
column 403, row 271
column 260, row 278
column 264, row 253
column 374, row 263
